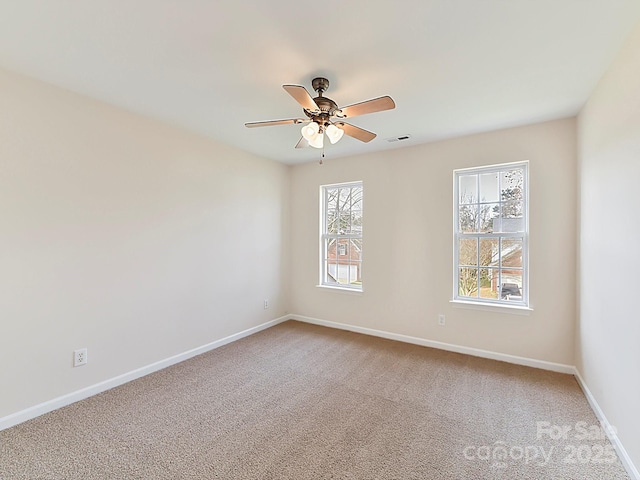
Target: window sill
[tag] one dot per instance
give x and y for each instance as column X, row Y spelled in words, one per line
column 350, row 291
column 492, row 307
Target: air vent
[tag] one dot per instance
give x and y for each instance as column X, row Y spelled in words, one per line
column 399, row 139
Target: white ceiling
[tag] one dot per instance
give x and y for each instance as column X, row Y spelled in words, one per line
column 453, row 67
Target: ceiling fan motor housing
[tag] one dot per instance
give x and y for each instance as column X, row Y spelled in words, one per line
column 328, row 108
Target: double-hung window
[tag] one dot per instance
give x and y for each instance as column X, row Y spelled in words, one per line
column 341, row 235
column 491, row 234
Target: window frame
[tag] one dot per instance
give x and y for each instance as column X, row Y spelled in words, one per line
column 324, row 236
column 459, row 235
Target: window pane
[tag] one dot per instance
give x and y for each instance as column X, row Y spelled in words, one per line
column 331, row 273
column 355, row 257
column 342, row 260
column 330, row 261
column 356, row 274
column 332, row 196
column 489, row 187
column 511, row 262
column 511, row 218
column 345, row 223
column 356, row 198
column 468, row 282
column 468, row 189
column 468, row 251
column 344, row 198
column 489, row 283
column 468, row 218
column 511, row 288
column 511, row 253
column 514, row 221
column 512, row 185
column 333, row 221
column 486, row 214
column 356, row 222
column 489, row 252
column 513, row 209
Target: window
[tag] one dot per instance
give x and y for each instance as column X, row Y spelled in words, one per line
column 341, row 237
column 491, row 234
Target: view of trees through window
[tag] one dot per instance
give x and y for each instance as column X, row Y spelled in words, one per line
column 491, row 233
column 342, row 235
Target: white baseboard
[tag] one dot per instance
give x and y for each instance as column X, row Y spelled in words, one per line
column 609, row 430
column 528, row 362
column 54, row 404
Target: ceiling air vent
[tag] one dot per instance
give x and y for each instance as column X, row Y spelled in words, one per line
column 399, row 139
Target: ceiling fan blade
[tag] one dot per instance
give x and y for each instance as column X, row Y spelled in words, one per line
column 269, row 123
column 356, row 132
column 302, row 143
column 300, row 94
column 368, row 106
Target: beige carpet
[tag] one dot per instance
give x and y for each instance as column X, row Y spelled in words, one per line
column 304, row 402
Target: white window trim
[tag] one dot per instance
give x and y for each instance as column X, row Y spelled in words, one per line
column 323, row 208
column 470, row 302
column 341, row 289
column 492, row 307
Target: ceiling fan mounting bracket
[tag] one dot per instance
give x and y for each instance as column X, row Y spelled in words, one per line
column 320, row 85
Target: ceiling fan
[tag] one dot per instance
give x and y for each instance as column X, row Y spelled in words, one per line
column 324, row 117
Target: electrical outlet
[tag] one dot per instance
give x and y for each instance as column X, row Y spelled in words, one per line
column 441, row 320
column 79, row 357
column 266, row 303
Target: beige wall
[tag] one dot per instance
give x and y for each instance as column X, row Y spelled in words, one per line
column 408, row 242
column 126, row 236
column 608, row 333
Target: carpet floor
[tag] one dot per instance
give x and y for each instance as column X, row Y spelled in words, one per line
column 301, row 402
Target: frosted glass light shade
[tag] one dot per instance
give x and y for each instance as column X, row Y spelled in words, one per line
column 310, row 131
column 334, row 133
column 317, row 141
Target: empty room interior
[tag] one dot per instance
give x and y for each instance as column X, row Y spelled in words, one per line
column 347, row 240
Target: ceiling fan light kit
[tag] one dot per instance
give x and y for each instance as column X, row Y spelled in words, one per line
column 325, row 117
